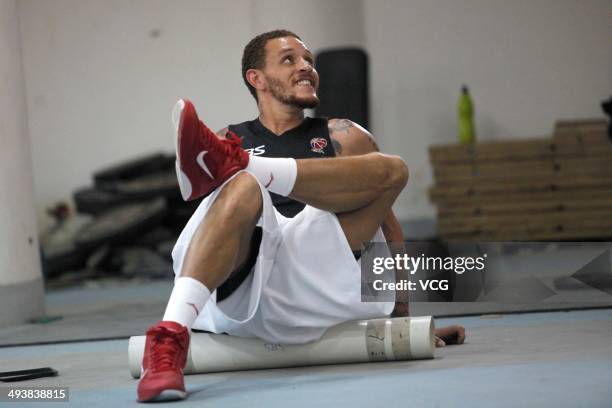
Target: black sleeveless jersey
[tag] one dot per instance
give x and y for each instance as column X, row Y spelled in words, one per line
column 308, row 140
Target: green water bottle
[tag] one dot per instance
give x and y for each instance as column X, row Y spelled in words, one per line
column 467, row 134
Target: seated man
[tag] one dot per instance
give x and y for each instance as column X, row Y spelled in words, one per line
column 271, row 251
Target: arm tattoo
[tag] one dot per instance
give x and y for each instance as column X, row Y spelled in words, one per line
column 342, row 125
column 337, row 146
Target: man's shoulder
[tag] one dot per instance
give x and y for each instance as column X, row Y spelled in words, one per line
column 350, row 137
column 346, row 126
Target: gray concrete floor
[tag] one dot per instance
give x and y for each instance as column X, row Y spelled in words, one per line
column 561, row 359
column 112, row 309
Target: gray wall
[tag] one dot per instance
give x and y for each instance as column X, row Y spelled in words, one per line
column 528, row 63
column 102, row 75
column 21, row 283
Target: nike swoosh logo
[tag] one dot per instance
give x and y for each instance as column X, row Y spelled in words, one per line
column 200, row 161
column 271, row 180
column 197, row 312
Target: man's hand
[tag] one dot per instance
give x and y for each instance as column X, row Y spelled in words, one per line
column 454, row 334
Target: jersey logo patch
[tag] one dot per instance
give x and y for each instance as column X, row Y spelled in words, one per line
column 317, row 144
column 257, row 151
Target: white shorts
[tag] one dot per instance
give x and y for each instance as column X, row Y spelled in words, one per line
column 305, row 279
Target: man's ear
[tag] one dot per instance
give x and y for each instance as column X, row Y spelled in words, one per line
column 256, row 78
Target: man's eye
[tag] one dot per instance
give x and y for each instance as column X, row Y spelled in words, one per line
column 288, row 60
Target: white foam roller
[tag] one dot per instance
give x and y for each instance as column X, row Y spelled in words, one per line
column 360, row 341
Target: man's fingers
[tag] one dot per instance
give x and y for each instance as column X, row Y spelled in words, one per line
column 454, row 334
column 460, row 334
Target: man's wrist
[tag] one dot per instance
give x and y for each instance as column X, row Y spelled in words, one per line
column 401, row 309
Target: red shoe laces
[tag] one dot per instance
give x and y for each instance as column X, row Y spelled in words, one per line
column 232, row 144
column 228, row 147
column 166, row 349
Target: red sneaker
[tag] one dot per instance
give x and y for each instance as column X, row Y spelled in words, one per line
column 203, row 161
column 164, row 358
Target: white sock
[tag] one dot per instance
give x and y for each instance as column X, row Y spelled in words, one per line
column 186, row 301
column 276, row 174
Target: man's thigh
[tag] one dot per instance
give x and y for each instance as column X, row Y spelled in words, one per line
column 247, row 257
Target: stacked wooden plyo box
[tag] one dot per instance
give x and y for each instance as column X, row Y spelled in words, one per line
column 543, row 189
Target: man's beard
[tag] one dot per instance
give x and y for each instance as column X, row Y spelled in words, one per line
column 278, row 93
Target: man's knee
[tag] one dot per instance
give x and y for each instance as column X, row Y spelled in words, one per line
column 399, row 171
column 240, row 200
column 394, row 171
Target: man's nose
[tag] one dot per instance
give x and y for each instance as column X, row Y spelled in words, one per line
column 305, row 66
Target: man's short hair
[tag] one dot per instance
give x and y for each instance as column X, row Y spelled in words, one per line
column 254, row 55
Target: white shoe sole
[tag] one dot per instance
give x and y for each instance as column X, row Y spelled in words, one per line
column 168, row 395
column 184, row 184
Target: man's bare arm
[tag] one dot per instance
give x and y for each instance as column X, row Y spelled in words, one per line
column 350, row 139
